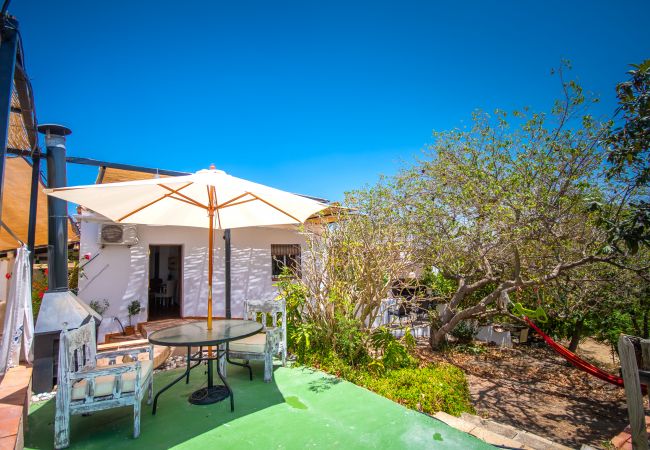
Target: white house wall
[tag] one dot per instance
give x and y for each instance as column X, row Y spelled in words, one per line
column 120, row 274
column 6, row 267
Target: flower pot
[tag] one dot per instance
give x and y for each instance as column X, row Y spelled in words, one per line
column 129, row 330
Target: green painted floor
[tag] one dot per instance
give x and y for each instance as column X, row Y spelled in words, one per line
column 300, row 409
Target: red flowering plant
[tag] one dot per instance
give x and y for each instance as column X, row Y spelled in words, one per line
column 39, row 286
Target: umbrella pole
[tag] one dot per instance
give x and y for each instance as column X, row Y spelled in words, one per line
column 211, row 250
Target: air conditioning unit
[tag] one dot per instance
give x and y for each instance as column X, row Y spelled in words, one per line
column 117, row 234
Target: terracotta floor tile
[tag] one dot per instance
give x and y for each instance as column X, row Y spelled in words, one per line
column 9, row 426
column 8, row 443
column 620, row 439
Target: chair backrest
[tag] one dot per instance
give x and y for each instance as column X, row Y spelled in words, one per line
column 265, row 311
column 171, row 287
column 77, row 350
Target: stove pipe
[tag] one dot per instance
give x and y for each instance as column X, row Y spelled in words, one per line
column 57, row 242
column 59, row 307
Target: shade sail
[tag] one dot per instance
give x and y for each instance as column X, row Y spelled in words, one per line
column 184, row 200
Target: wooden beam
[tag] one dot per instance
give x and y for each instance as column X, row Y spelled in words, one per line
column 96, row 163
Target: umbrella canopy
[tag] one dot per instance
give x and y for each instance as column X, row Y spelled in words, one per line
column 208, row 199
column 186, row 200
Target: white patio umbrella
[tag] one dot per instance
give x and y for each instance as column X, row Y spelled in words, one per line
column 18, row 331
column 207, row 199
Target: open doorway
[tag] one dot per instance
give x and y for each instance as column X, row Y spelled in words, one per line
column 165, row 284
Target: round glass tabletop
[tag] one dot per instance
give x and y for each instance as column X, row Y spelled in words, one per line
column 197, row 333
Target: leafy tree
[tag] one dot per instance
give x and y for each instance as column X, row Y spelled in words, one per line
column 629, row 156
column 354, row 263
column 511, row 203
column 349, row 267
column 597, row 300
column 507, row 204
column 629, row 151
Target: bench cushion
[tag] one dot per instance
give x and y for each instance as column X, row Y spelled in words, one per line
column 104, row 384
column 251, row 344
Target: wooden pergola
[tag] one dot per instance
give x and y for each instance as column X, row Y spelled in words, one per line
column 15, row 207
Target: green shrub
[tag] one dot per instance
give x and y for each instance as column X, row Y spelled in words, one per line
column 429, row 389
column 39, row 287
column 433, row 388
column 300, row 337
column 394, row 355
column 339, row 344
column 464, row 332
column 349, row 340
column 73, row 278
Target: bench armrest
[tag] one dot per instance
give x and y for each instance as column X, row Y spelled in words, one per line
column 122, row 345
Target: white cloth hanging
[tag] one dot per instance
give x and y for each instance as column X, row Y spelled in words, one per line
column 19, row 321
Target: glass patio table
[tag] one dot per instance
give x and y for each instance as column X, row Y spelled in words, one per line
column 196, row 334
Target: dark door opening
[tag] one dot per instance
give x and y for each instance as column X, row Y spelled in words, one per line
column 165, row 281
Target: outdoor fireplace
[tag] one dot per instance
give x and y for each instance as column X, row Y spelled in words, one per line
column 60, row 307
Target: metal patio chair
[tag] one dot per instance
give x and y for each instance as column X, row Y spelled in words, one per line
column 265, row 345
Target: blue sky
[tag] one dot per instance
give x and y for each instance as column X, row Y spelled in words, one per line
column 311, row 97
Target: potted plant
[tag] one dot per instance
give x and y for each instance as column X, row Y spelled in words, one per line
column 100, row 307
column 133, row 309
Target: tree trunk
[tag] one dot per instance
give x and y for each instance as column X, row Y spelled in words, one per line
column 576, row 335
column 638, row 330
column 436, row 338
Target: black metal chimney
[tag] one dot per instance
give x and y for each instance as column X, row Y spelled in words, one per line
column 57, row 242
column 59, row 308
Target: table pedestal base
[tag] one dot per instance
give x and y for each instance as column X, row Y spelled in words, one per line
column 207, row 396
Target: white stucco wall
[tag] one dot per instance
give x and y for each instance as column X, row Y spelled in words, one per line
column 120, row 274
column 6, row 266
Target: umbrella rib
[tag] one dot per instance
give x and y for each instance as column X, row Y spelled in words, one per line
column 275, row 207
column 153, row 202
column 216, row 205
column 189, row 199
column 207, row 188
column 224, row 204
column 236, row 203
column 186, row 201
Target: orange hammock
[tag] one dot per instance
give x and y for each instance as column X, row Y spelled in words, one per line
column 579, row 362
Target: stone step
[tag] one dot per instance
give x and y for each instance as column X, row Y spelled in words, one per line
column 498, row 434
column 538, row 442
column 479, row 432
column 499, row 428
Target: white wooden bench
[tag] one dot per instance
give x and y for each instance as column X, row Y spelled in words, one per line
column 83, row 387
